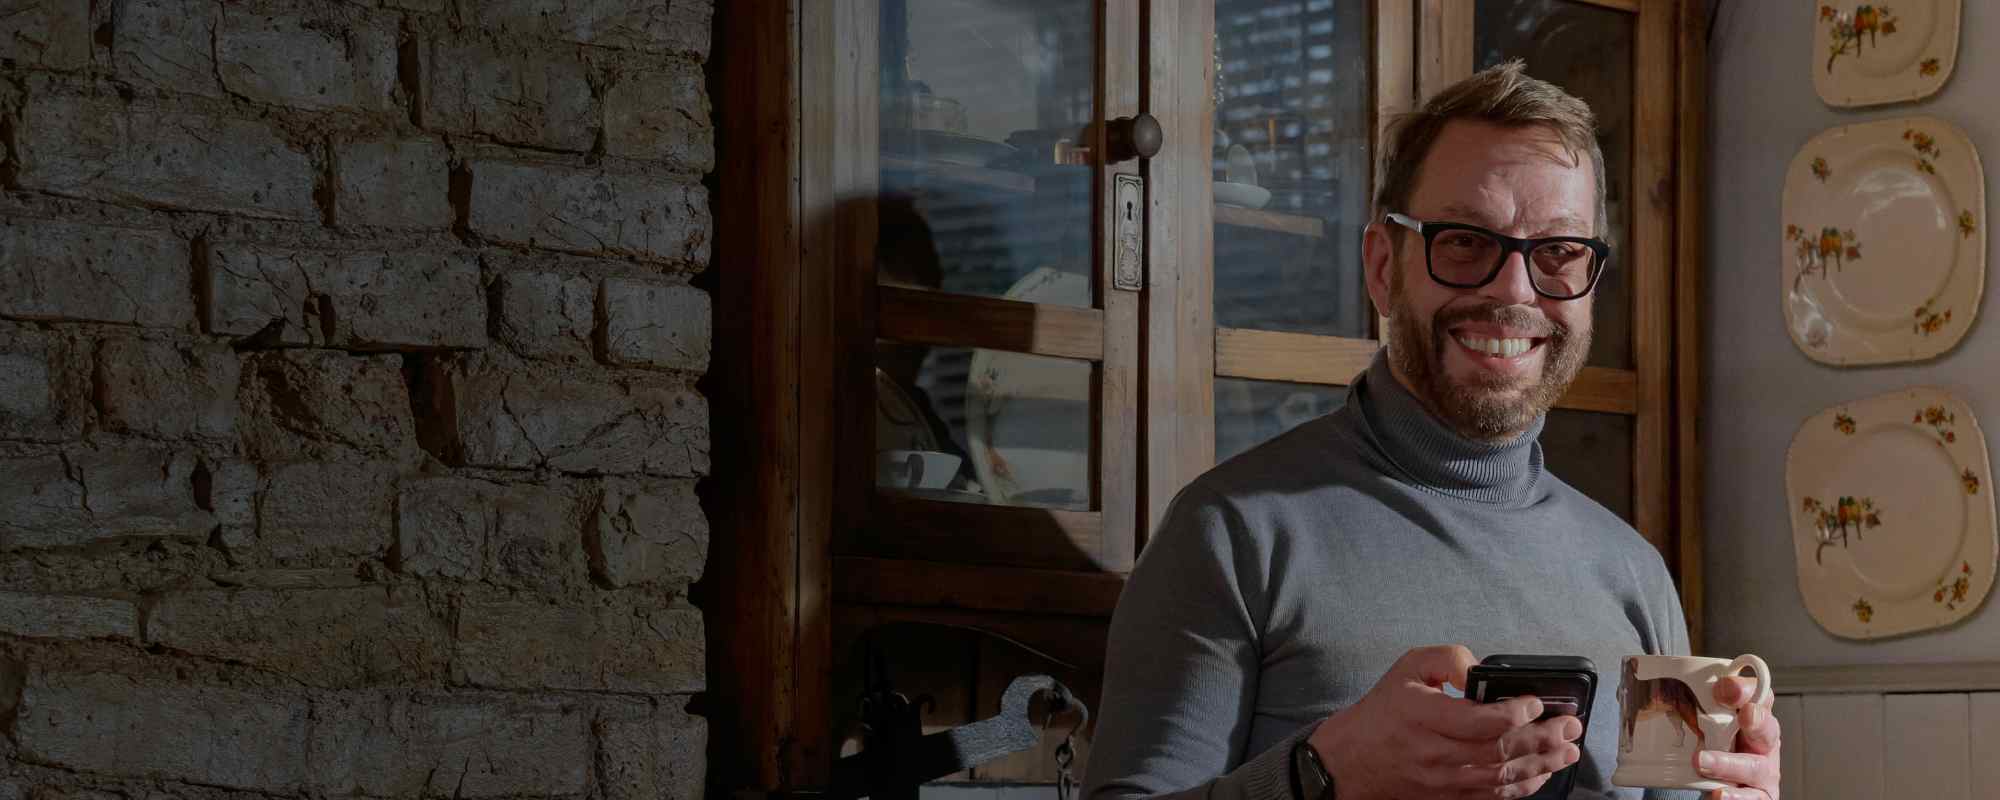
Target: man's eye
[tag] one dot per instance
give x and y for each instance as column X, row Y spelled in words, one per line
column 1461, row 241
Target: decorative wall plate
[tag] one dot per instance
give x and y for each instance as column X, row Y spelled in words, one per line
column 1891, row 507
column 1884, row 235
column 1866, row 53
column 1027, row 417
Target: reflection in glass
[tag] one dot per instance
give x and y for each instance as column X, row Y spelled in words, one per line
column 1249, row 413
column 982, row 104
column 983, row 426
column 1293, row 116
column 1587, row 50
column 1592, row 452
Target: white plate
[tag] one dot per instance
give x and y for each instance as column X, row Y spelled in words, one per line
column 1027, row 417
column 1241, row 194
column 1891, row 508
column 1870, row 52
column 943, row 147
column 1884, row 241
column 899, row 423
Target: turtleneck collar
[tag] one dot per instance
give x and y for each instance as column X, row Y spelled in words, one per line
column 1432, row 456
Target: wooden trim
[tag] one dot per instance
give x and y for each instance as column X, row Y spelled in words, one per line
column 921, row 316
column 1628, row 6
column 1396, row 84
column 1277, row 221
column 1078, row 642
column 1334, row 361
column 757, row 386
column 1691, row 95
column 1653, row 284
column 1116, row 466
column 1975, row 676
column 908, row 527
column 1444, row 44
column 883, row 581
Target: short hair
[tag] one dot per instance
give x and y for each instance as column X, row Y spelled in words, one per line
column 1504, row 95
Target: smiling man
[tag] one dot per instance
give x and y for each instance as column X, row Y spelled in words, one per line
column 1291, row 630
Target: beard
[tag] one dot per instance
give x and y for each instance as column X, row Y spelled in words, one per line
column 1486, row 408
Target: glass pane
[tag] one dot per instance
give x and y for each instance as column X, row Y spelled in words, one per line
column 1249, row 413
column 983, row 426
column 1593, row 452
column 1293, row 112
column 1587, row 50
column 982, row 101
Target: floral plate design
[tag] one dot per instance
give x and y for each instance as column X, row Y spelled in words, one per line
column 1884, row 241
column 1891, row 514
column 1028, row 417
column 1868, row 53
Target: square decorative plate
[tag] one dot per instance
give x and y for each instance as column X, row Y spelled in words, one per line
column 1869, row 53
column 1884, row 241
column 1891, row 506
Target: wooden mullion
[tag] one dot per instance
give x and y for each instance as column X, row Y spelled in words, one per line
column 922, row 316
column 1444, row 44
column 1115, row 463
column 1691, row 101
column 902, row 526
column 1653, row 222
column 887, row 581
column 1628, row 6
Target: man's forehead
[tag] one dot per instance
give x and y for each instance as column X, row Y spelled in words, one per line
column 1506, row 177
column 1524, row 216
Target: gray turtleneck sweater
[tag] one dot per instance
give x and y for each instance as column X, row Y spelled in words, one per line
column 1286, row 581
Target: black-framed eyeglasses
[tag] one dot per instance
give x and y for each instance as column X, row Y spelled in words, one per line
column 1465, row 256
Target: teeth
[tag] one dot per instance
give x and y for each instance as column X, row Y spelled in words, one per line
column 1502, row 348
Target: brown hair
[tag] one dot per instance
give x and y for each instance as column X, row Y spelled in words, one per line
column 1504, row 95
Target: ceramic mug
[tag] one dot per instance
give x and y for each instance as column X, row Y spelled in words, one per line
column 1667, row 715
column 915, row 469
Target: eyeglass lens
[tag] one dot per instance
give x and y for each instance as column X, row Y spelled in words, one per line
column 1469, row 258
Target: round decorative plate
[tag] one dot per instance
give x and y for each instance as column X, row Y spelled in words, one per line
column 1891, row 505
column 1884, row 255
column 1866, row 53
column 943, row 147
column 1027, row 417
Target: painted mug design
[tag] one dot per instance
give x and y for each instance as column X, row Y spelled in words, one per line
column 1660, row 697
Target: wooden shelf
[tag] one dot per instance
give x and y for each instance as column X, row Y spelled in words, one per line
column 959, row 173
column 1279, row 221
column 902, row 582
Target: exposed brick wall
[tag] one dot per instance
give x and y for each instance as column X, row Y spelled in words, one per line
column 349, row 426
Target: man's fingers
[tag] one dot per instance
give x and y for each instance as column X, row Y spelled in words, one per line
column 1548, row 736
column 1737, row 794
column 1459, row 718
column 1743, row 769
column 1759, row 731
column 1436, row 665
column 1515, row 773
column 1734, row 691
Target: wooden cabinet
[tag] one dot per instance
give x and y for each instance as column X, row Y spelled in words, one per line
column 972, row 339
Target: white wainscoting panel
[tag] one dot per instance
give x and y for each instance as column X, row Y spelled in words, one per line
column 1843, row 746
column 1792, row 745
column 1984, row 743
column 1924, row 745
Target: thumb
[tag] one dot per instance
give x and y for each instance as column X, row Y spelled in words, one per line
column 1437, row 665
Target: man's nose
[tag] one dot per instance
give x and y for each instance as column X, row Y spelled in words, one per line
column 1512, row 286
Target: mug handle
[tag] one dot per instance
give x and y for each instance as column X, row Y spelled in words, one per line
column 1759, row 669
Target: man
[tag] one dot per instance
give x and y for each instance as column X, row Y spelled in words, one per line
column 1267, row 630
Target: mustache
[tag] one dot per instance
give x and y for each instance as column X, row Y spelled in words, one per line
column 1521, row 318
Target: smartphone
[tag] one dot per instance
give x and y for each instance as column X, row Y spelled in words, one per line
column 1565, row 685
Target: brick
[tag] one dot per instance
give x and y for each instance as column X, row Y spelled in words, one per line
column 536, row 541
column 113, row 725
column 442, row 525
column 168, row 390
column 642, row 534
column 49, row 34
column 661, row 115
column 657, row 754
column 102, row 149
column 49, row 616
column 672, row 26
column 459, row 745
column 514, row 94
column 65, row 272
column 166, row 44
column 369, row 300
column 619, row 645
column 86, row 495
column 308, row 404
column 652, row 324
column 229, row 491
column 320, row 512
column 327, row 637
column 491, row 414
column 42, row 393
column 545, row 315
column 560, row 208
column 402, row 183
column 306, row 62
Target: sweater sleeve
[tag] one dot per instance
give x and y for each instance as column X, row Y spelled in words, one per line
column 1181, row 669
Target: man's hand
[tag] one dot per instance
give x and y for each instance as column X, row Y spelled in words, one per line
column 1754, row 763
column 1407, row 738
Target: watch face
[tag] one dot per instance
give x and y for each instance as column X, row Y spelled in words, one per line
column 1314, row 782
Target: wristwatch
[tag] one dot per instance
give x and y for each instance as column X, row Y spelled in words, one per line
column 1310, row 780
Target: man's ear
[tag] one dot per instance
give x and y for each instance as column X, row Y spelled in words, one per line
column 1378, row 257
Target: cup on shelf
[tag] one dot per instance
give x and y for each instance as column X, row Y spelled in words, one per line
column 915, row 469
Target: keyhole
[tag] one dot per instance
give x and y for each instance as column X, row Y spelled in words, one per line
column 1128, row 211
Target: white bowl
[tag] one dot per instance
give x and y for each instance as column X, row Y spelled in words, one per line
column 915, row 469
column 1241, row 194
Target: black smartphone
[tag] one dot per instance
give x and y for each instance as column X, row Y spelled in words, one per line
column 1565, row 685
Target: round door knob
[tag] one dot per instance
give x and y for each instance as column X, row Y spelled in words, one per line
column 1134, row 137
